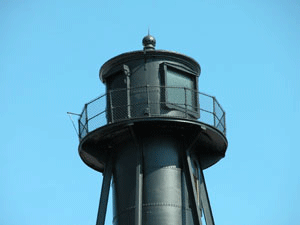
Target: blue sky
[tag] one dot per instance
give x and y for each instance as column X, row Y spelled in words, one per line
column 50, row 55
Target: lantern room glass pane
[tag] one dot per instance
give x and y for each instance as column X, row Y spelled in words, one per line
column 180, row 89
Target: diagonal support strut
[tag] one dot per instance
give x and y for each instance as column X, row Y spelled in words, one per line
column 104, row 193
column 209, row 219
column 192, row 189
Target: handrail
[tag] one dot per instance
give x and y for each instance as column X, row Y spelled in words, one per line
column 160, row 101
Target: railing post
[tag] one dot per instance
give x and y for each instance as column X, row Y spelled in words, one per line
column 148, row 100
column 198, row 105
column 185, row 102
column 128, row 102
column 127, row 73
column 214, row 110
column 86, row 118
column 79, row 128
column 224, row 123
column 111, row 107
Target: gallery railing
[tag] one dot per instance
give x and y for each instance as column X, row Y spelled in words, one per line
column 151, row 101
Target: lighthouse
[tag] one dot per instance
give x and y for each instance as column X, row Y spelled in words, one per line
column 151, row 135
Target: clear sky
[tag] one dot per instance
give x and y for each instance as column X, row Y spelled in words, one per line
column 50, row 55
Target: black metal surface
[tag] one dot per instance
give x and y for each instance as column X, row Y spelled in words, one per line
column 162, row 133
column 192, row 188
column 209, row 219
column 139, row 181
column 210, row 145
column 104, row 194
column 162, row 192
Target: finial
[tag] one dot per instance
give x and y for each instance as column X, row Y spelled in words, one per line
column 149, row 42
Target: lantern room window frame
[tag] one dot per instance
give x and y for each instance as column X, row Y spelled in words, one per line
column 189, row 103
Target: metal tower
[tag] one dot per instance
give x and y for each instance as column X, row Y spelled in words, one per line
column 153, row 133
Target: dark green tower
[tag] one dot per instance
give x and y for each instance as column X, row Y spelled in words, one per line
column 154, row 133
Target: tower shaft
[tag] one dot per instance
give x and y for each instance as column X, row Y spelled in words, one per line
column 150, row 173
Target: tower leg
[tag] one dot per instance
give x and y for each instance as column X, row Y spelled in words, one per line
column 104, row 194
column 192, row 189
column 139, row 188
column 209, row 219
